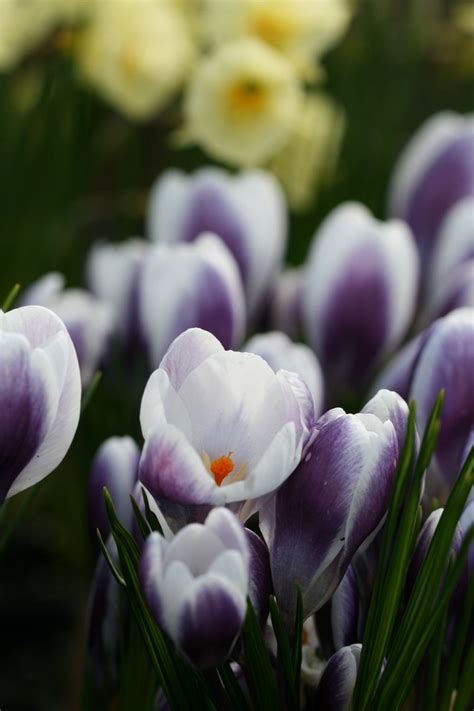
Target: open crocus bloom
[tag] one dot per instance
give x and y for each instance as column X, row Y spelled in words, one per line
column 196, row 585
column 220, row 427
column 40, row 396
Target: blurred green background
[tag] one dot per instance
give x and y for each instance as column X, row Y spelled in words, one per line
column 73, row 171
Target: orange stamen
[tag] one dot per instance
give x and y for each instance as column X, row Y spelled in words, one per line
column 221, row 468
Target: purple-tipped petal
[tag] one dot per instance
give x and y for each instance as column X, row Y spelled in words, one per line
column 52, row 373
column 115, row 466
column 334, row 502
column 435, row 170
column 338, row 680
column 388, row 405
column 210, row 621
column 171, row 469
column 446, row 363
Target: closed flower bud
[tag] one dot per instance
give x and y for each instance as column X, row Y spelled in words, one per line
column 190, row 285
column 333, row 504
column 247, row 211
column 281, row 353
column 434, row 171
column 220, row 427
column 113, row 275
column 196, row 586
column 115, row 466
column 40, row 396
column 338, row 680
column 359, row 292
column 88, row 320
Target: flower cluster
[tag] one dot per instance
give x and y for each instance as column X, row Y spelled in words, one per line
column 246, row 73
column 267, row 466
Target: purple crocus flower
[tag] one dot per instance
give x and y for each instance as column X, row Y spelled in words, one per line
column 188, row 285
column 337, row 620
column 113, row 274
column 115, row 466
column 40, row 396
column 434, row 171
column 334, row 503
column 359, row 292
column 88, row 320
column 220, row 427
column 338, row 680
column 247, row 211
column 196, row 586
column 280, row 352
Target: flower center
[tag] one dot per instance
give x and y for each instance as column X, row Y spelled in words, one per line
column 221, row 467
column 247, row 96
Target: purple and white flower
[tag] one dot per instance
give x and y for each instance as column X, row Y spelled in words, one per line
column 88, row 320
column 334, row 503
column 359, row 292
column 280, row 352
column 434, row 171
column 247, row 211
column 338, row 679
column 113, row 274
column 190, row 285
column 196, row 586
column 220, row 427
column 40, row 396
column 115, row 466
column 455, row 242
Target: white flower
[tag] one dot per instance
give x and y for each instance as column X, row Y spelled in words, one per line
column 242, row 102
column 136, row 54
column 219, row 427
column 300, row 29
column 40, row 396
column 23, row 24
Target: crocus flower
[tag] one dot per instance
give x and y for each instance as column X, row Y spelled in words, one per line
column 455, row 241
column 40, row 396
column 113, row 272
column 220, row 427
column 115, row 466
column 88, row 320
column 188, row 285
column 359, row 292
column 334, row 503
column 338, row 680
column 454, row 292
column 247, row 211
column 280, row 352
column 196, row 586
column 435, row 170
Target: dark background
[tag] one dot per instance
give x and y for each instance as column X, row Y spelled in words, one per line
column 71, row 171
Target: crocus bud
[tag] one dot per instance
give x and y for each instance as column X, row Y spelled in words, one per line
column 113, row 274
column 455, row 243
column 260, row 577
column 247, row 211
column 337, row 620
column 454, row 292
column 189, row 285
column 359, row 292
column 285, row 302
column 88, row 320
column 40, row 396
column 338, row 680
column 434, row 171
column 220, row 427
column 280, row 352
column 331, row 506
column 196, row 586
column 445, row 362
column 115, row 466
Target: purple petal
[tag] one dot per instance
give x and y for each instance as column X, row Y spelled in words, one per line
column 338, row 680
column 171, row 469
column 260, row 582
column 24, row 408
column 151, row 573
column 337, row 620
column 210, row 622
